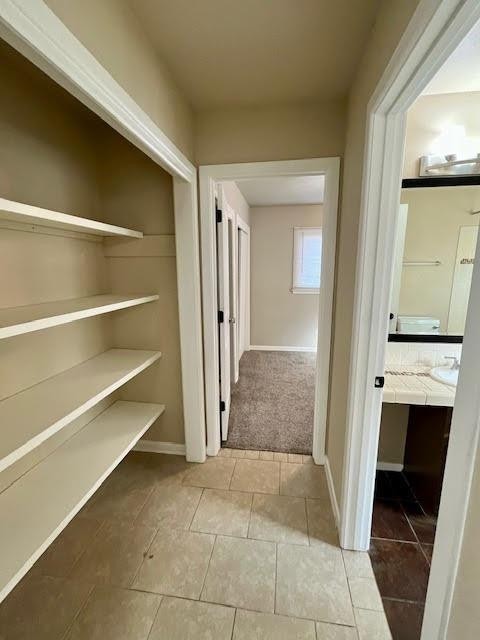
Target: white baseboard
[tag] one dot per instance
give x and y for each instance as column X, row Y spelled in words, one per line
column 262, row 347
column 389, row 466
column 154, row 446
column 331, row 491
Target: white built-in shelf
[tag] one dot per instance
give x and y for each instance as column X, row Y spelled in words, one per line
column 30, row 417
column 19, row 212
column 39, row 505
column 17, row 320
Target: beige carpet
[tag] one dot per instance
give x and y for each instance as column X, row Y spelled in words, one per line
column 272, row 402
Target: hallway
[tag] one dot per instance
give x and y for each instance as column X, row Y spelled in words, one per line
column 242, row 548
column 273, row 402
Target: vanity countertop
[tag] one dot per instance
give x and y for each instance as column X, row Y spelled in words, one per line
column 413, row 385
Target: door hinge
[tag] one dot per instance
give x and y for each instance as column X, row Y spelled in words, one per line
column 379, row 382
column 221, row 317
column 222, row 405
column 218, row 214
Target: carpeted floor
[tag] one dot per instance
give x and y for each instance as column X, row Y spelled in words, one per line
column 272, row 402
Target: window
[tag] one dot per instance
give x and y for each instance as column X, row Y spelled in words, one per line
column 307, row 259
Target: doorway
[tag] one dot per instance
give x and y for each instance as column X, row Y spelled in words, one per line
column 210, row 179
column 414, row 64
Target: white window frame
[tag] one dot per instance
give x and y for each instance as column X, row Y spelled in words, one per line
column 298, row 232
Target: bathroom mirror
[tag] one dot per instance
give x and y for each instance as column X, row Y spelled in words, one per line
column 434, row 254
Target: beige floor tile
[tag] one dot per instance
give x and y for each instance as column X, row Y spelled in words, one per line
column 224, row 512
column 303, row 480
column 241, row 574
column 307, row 460
column 321, row 523
column 115, row 555
column 257, row 476
column 295, row 457
column 62, row 554
column 179, row 619
column 279, row 519
column 115, row 614
column 311, row 583
column 250, row 625
column 237, row 453
column 215, row 473
column 115, row 500
column 280, row 457
column 252, row 455
column 265, row 455
column 176, row 563
column 225, row 453
column 357, row 564
column 41, row 608
column 170, row 505
column 327, row 631
column 365, row 594
column 372, row 625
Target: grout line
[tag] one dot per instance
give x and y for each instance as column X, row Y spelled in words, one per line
column 199, row 599
column 189, row 528
column 80, row 609
column 233, row 625
column 155, row 616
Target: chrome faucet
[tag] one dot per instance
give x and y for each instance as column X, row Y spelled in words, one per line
column 455, row 362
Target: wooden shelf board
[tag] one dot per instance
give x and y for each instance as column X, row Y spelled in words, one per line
column 40, row 504
column 18, row 320
column 30, row 417
column 25, row 213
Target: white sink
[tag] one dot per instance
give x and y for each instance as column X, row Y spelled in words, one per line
column 445, row 375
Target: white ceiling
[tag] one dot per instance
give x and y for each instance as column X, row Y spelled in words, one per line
column 461, row 72
column 265, row 192
column 225, row 53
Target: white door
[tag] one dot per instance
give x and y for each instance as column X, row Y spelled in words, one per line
column 223, row 273
column 462, row 279
column 233, row 319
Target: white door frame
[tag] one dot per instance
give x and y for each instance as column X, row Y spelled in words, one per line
column 36, row 32
column 243, row 319
column 209, row 177
column 434, row 32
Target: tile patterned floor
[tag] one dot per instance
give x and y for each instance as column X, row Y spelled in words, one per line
column 401, row 551
column 238, row 548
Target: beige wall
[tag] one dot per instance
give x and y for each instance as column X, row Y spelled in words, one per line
column 465, row 615
column 429, row 115
column 392, row 20
column 236, row 200
column 277, row 316
column 111, row 31
column 434, row 220
column 273, row 133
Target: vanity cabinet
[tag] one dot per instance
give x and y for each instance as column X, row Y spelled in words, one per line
column 425, row 453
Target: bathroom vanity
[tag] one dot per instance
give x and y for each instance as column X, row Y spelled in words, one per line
column 429, row 417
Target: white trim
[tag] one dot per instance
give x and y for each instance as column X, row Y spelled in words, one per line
column 331, row 491
column 155, row 446
column 304, row 290
column 389, row 466
column 36, row 32
column 209, row 177
column 263, row 347
column 434, row 31
column 241, row 224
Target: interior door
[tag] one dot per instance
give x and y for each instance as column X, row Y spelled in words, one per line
column 242, row 291
column 223, row 288
column 233, row 319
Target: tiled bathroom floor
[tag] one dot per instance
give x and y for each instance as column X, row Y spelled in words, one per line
column 239, row 547
column 401, row 551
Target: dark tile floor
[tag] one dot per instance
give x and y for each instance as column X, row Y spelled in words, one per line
column 401, row 551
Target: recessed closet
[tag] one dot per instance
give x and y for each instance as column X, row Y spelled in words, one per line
column 89, row 336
